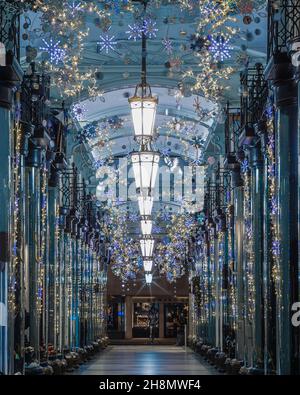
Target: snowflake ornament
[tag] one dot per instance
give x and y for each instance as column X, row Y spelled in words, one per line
column 56, row 54
column 78, row 111
column 244, row 166
column 106, row 43
column 75, row 7
column 156, row 229
column 99, row 163
column 168, row 45
column 220, row 48
column 149, row 28
column 197, row 162
column 135, row 31
column 133, row 217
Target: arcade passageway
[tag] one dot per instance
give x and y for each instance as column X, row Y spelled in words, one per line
column 149, row 187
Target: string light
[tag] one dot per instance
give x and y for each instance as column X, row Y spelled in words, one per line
column 272, row 197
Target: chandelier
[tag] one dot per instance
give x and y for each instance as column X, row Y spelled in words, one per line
column 145, row 205
column 142, row 104
column 148, row 265
column 145, row 161
column 147, row 244
column 145, row 168
column 146, row 227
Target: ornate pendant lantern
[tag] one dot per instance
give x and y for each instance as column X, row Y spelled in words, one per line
column 148, row 265
column 148, row 278
column 147, row 245
column 145, row 168
column 145, row 205
column 146, row 226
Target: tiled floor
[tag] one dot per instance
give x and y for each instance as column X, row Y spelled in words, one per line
column 145, row 360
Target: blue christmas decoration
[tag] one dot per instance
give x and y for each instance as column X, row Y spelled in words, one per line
column 106, row 43
column 149, row 28
column 56, row 54
column 99, row 163
column 244, row 166
column 165, row 151
column 156, row 229
column 276, row 247
column 197, row 162
column 87, row 133
column 189, row 222
column 165, row 216
column 220, row 48
column 133, row 217
column 75, row 7
column 168, row 45
column 78, row 110
column 115, row 122
column 135, row 31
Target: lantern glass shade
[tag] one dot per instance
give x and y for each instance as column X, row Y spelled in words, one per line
column 148, row 278
column 146, row 226
column 145, row 167
column 147, row 265
column 147, row 247
column 145, row 205
column 143, row 110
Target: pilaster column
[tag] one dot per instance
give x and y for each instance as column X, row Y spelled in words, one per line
column 128, row 317
column 52, row 264
column 10, row 75
column 295, row 292
column 279, row 71
column 256, row 166
column 238, row 232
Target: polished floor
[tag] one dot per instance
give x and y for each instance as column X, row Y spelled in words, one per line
column 145, row 360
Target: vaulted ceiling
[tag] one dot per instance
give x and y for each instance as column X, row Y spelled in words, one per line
column 118, row 71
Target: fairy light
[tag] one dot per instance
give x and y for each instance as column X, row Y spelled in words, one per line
column 248, row 245
column 216, row 21
column 15, row 235
column 273, row 210
column 232, row 283
column 212, row 277
column 43, row 240
column 57, row 277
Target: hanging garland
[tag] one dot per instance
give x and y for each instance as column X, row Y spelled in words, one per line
column 62, row 33
column 16, row 220
column 273, row 204
column 43, row 239
column 248, row 241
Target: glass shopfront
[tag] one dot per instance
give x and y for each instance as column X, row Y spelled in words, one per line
column 144, row 315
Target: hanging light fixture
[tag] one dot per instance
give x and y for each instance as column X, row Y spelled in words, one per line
column 148, row 278
column 145, row 168
column 143, row 110
column 145, row 205
column 146, row 226
column 148, row 265
column 143, row 107
column 147, row 245
column 142, row 104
